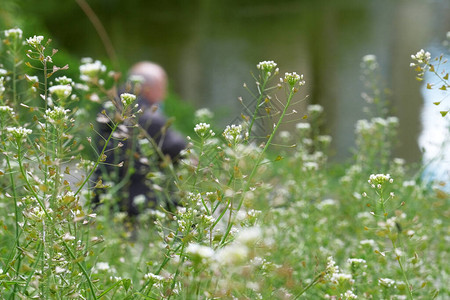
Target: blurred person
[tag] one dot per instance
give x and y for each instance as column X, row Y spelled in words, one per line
column 131, row 183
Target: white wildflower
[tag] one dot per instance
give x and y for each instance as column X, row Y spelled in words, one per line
column 64, row 80
column 35, row 40
column 68, row 237
column 314, row 109
column 233, row 133
column 349, row 295
column 293, row 78
column 14, row 33
column 232, row 254
column 19, row 132
column 422, row 57
column 56, row 114
column 154, row 277
column 199, row 251
column 127, row 99
column 204, row 114
column 91, row 70
column 386, row 282
column 7, row 110
column 249, row 236
column 379, row 179
column 61, row 91
column 202, row 130
column 102, row 266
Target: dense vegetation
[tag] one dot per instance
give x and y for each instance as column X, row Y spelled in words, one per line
column 260, row 213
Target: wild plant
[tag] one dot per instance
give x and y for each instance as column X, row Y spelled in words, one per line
column 255, row 215
column 49, row 238
column 423, row 63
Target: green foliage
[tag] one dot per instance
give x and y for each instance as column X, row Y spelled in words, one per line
column 260, row 214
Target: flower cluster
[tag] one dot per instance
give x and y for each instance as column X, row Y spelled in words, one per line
column 90, row 70
column 202, row 130
column 35, row 41
column 267, row 67
column 61, row 91
column 421, row 57
column 377, row 180
column 64, row 80
column 199, row 252
column 14, row 33
column 386, row 282
column 127, row 99
column 233, row 133
column 7, row 110
column 349, row 295
column 2, row 85
column 369, row 63
column 56, row 114
column 204, row 114
column 292, row 79
column 366, row 127
column 19, row 132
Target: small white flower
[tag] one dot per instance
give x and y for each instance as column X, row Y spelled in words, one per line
column 15, row 33
column 293, row 78
column 357, row 262
column 204, row 114
column 61, row 91
column 233, row 133
column 202, row 129
column 127, row 99
column 349, row 295
column 56, row 114
column 232, row 254
column 6, row 110
column 91, row 70
column 64, row 80
column 59, row 270
column 154, row 277
column 379, row 179
column 19, row 132
column 387, row 282
column 422, row 57
column 35, row 40
column 139, row 200
column 249, row 236
column 314, row 109
column 303, row 126
column 200, row 251
column 102, row 266
column 67, row 237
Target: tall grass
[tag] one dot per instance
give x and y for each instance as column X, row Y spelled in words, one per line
column 259, row 214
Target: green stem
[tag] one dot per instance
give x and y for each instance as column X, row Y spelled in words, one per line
column 258, row 161
column 258, row 102
column 314, row 282
column 98, row 160
column 410, row 295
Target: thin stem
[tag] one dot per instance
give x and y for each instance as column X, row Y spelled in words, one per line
column 410, row 295
column 258, row 161
column 258, row 102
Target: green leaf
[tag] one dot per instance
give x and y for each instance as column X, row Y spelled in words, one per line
column 126, row 284
column 444, row 88
column 437, row 103
column 444, row 113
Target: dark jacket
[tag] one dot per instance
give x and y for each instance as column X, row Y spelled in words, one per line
column 130, row 180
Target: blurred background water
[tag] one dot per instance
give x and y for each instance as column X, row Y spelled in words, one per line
column 209, row 48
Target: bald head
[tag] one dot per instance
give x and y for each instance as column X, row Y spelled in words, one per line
column 154, row 86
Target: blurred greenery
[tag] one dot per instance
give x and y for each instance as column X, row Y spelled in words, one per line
column 79, row 39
